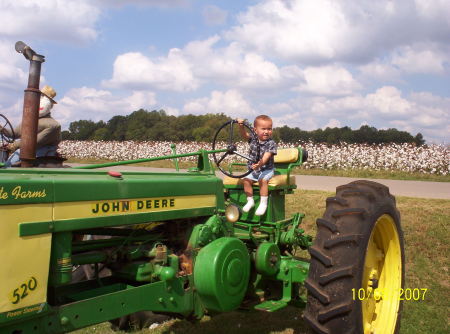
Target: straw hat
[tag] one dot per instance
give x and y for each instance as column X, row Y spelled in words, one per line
column 49, row 92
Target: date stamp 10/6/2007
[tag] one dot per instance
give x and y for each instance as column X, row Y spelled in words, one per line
column 414, row 294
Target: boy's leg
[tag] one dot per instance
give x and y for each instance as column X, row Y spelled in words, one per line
column 248, row 189
column 263, row 187
column 264, row 192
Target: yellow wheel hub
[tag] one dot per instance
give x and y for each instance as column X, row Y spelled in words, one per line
column 382, row 278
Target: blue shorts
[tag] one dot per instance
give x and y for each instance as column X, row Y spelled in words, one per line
column 48, row 150
column 261, row 175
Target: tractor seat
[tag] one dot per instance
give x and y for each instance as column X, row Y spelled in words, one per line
column 275, row 181
column 284, row 161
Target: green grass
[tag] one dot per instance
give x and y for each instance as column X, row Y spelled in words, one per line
column 375, row 174
column 427, row 239
column 354, row 173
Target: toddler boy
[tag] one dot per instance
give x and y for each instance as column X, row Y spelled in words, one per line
column 263, row 169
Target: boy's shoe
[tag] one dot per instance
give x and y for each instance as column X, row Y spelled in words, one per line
column 261, row 209
column 262, row 206
column 250, row 204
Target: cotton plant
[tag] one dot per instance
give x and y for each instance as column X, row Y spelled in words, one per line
column 428, row 159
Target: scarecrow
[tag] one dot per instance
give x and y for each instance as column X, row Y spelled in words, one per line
column 49, row 131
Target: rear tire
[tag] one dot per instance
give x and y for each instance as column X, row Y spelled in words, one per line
column 357, row 263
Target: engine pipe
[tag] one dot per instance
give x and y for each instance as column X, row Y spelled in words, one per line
column 31, row 100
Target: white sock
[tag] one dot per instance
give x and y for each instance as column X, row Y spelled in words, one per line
column 262, row 206
column 250, row 204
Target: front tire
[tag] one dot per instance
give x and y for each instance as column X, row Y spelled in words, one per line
column 357, row 263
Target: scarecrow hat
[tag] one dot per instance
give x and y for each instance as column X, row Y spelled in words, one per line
column 49, row 92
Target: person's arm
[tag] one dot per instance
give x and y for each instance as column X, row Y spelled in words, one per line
column 242, row 131
column 9, row 134
column 272, row 150
column 49, row 135
column 265, row 158
column 11, row 147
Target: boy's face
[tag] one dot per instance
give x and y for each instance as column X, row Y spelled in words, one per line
column 263, row 129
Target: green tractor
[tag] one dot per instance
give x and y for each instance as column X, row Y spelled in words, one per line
column 81, row 246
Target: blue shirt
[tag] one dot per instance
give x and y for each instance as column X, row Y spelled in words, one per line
column 268, row 145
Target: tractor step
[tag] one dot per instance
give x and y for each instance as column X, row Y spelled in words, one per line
column 271, row 305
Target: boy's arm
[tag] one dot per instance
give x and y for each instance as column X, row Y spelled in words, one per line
column 242, row 131
column 263, row 160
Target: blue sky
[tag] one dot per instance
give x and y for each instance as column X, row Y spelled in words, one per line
column 307, row 63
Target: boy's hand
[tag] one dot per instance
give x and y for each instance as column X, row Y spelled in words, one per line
column 257, row 165
column 242, row 130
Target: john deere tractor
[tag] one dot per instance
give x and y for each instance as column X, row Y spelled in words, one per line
column 80, row 246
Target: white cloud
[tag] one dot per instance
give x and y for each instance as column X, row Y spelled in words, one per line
column 256, row 71
column 231, row 103
column 12, row 68
column 317, row 31
column 67, row 21
column 61, row 20
column 144, row 3
column 171, row 111
column 231, row 66
column 213, row 15
column 421, row 59
column 379, row 70
column 13, row 112
column 328, row 80
column 385, row 107
column 276, row 108
column 302, row 120
column 201, row 62
column 388, row 100
column 90, row 103
column 140, row 99
column 332, row 123
column 137, row 71
column 290, row 29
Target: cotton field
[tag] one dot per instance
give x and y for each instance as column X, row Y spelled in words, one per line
column 430, row 159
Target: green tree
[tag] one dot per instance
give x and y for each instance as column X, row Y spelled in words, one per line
column 157, row 125
column 83, row 129
column 418, row 139
column 100, row 134
column 65, row 135
column 117, row 128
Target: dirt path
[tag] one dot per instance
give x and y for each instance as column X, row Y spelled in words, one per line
column 422, row 189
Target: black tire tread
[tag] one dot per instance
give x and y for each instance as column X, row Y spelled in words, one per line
column 335, row 274
column 334, row 311
column 327, row 224
column 330, row 243
column 338, row 200
column 317, row 292
column 314, row 324
column 348, row 212
column 321, row 256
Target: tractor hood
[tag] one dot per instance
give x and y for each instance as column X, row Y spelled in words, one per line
column 95, row 198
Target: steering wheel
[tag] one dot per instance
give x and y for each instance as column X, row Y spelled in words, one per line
column 232, row 147
column 4, row 139
column 5, row 123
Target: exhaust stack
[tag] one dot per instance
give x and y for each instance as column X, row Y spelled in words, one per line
column 31, row 100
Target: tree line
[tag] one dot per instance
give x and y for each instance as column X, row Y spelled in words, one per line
column 142, row 125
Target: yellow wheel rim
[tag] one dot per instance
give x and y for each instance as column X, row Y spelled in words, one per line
column 382, row 278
